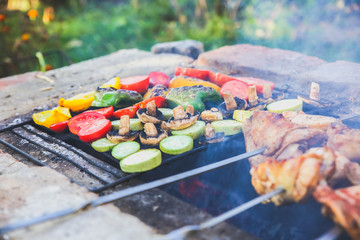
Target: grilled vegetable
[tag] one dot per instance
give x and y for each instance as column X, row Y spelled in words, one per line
column 106, row 112
column 49, row 117
column 78, row 102
column 150, row 114
column 159, row 101
column 181, row 81
column 152, row 135
column 192, row 72
column 166, row 112
column 135, row 124
column 158, row 90
column 229, row 127
column 112, row 83
column 176, row 145
column 141, row 161
column 82, row 120
column 103, row 145
column 124, row 149
column 285, row 105
column 105, row 97
column 182, row 119
column 211, row 115
column 197, row 96
column 237, row 89
column 124, row 133
column 130, row 111
column 211, row 136
column 60, row 126
column 159, row 78
column 230, row 104
column 98, row 129
column 195, row 131
column 242, row 115
column 139, row 84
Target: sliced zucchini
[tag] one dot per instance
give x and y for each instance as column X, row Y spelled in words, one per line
column 124, row 149
column 242, row 115
column 103, row 145
column 195, row 131
column 229, row 127
column 141, row 161
column 285, row 105
column 175, row 145
column 135, row 124
column 167, row 113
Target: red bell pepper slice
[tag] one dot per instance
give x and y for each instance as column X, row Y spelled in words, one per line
column 221, row 79
column 106, row 112
column 159, row 101
column 192, row 72
column 98, row 129
column 82, row 120
column 237, row 89
column 60, row 126
column 130, row 111
column 139, row 84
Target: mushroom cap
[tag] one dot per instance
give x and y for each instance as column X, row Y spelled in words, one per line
column 178, row 124
column 145, row 118
column 153, row 141
column 219, row 136
column 241, row 105
column 114, row 136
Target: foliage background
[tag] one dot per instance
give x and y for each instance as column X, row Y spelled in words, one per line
column 85, row 29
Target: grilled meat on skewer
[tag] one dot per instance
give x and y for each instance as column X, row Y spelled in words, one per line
column 352, row 172
column 299, row 176
column 284, row 135
column 342, row 206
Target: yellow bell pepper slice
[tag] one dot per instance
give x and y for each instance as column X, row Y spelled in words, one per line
column 181, row 81
column 49, row 117
column 78, row 102
column 114, row 83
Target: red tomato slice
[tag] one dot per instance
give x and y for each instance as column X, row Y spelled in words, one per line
column 192, row 72
column 106, row 112
column 60, row 126
column 82, row 120
column 139, row 84
column 221, row 79
column 159, row 101
column 259, row 83
column 156, row 78
column 130, row 111
column 98, row 129
column 237, row 89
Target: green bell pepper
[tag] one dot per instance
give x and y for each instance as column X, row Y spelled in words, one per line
column 118, row 98
column 198, row 96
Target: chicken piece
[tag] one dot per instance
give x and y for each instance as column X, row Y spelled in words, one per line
column 344, row 140
column 342, row 206
column 352, row 172
column 281, row 137
column 298, row 176
column 310, row 121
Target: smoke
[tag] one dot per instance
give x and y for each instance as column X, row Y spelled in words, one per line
column 328, row 29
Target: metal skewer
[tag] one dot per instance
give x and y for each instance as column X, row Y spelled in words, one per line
column 129, row 192
column 181, row 233
column 332, row 234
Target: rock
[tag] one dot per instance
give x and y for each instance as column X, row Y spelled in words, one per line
column 190, row 48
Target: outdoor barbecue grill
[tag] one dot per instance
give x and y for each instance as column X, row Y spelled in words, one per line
column 210, row 192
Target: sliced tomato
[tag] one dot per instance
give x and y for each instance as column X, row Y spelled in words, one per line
column 82, row 120
column 98, row 129
column 139, row 84
column 192, row 72
column 130, row 111
column 106, row 112
column 221, row 79
column 259, row 83
column 237, row 89
column 60, row 126
column 159, row 101
column 156, row 78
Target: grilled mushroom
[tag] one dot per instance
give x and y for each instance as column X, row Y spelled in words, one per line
column 211, row 115
column 211, row 136
column 124, row 134
column 152, row 135
column 150, row 114
column 230, row 104
column 182, row 119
